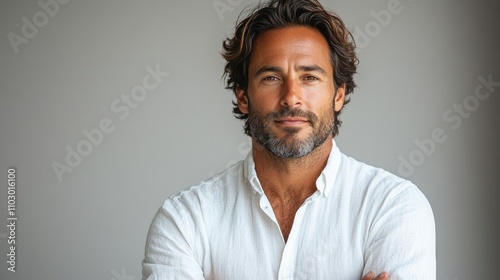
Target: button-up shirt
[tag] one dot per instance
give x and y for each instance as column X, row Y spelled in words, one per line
column 361, row 218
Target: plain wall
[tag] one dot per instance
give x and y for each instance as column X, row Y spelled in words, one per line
column 88, row 55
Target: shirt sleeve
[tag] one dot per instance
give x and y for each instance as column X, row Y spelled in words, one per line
column 169, row 253
column 401, row 239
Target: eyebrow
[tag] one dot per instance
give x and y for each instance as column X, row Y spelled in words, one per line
column 312, row 68
column 306, row 68
column 268, row 69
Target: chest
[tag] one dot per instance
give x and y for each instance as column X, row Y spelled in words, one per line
column 316, row 248
column 285, row 212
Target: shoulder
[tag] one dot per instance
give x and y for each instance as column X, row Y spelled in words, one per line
column 381, row 189
column 208, row 193
column 368, row 173
column 363, row 175
column 194, row 210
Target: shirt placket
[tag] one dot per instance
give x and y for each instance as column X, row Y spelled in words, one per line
column 289, row 256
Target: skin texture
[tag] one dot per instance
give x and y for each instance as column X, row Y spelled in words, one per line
column 290, row 69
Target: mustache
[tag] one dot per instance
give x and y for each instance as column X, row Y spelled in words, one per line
column 288, row 112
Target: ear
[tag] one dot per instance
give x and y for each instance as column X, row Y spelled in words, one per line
column 242, row 100
column 339, row 98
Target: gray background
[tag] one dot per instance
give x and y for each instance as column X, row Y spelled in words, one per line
column 93, row 224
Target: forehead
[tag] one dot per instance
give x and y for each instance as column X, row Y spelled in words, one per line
column 290, row 44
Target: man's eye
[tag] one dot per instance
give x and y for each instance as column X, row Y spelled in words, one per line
column 311, row 78
column 270, row 78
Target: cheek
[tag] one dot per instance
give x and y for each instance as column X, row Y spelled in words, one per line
column 320, row 101
column 256, row 96
column 327, row 112
column 264, row 102
column 326, row 108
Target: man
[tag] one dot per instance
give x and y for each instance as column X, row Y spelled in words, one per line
column 296, row 207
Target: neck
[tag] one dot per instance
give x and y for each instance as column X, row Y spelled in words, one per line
column 284, row 178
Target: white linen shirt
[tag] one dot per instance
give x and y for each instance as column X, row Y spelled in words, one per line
column 360, row 218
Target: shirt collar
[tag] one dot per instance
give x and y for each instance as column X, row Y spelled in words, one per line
column 251, row 174
column 326, row 179
column 324, row 183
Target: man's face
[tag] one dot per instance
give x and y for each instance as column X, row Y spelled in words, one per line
column 290, row 99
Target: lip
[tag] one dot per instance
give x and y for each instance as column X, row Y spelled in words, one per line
column 291, row 121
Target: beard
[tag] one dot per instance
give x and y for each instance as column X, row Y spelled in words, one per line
column 290, row 145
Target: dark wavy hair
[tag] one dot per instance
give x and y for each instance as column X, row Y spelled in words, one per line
column 237, row 51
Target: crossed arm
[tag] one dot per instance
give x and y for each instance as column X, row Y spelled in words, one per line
column 371, row 276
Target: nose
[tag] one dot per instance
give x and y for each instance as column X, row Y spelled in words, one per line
column 292, row 94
